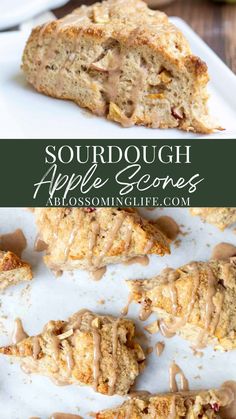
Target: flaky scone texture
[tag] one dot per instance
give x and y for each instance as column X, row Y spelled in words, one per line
column 220, row 217
column 91, row 238
column 13, row 270
column 197, row 301
column 182, row 405
column 88, row 349
column 124, row 61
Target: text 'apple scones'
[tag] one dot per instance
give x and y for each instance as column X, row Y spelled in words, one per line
column 220, row 217
column 91, row 238
column 88, row 349
column 13, row 270
column 196, row 301
column 124, row 61
column 212, row 404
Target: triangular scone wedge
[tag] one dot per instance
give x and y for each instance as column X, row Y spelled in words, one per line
column 13, row 270
column 182, row 405
column 88, row 349
column 196, row 301
column 91, row 238
column 124, row 61
column 220, row 217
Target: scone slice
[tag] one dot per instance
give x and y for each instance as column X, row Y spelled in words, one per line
column 220, row 217
column 91, row 238
column 88, row 349
column 194, row 405
column 13, row 270
column 196, row 301
column 123, row 61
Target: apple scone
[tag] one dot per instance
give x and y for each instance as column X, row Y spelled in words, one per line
column 91, row 238
column 220, row 217
column 63, row 416
column 196, row 301
column 87, row 349
column 212, row 404
column 124, row 61
column 13, row 270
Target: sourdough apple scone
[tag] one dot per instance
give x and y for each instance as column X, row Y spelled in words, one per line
column 212, row 404
column 124, row 61
column 220, row 217
column 91, row 238
column 13, row 270
column 196, row 301
column 64, row 416
column 88, row 349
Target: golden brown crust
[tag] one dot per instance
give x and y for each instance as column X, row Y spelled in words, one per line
column 220, row 217
column 65, row 351
column 199, row 300
column 13, row 270
column 140, row 44
column 194, row 405
column 93, row 238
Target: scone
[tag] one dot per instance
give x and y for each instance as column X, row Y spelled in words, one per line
column 64, row 416
column 196, row 301
column 123, row 61
column 88, row 349
column 91, row 238
column 220, row 217
column 13, row 270
column 212, row 404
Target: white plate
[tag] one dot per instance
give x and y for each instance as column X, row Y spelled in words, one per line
column 47, row 298
column 13, row 12
column 28, row 114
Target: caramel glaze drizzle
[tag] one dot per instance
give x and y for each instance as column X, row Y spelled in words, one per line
column 175, row 370
column 96, row 260
column 212, row 308
column 167, row 330
column 75, row 324
column 18, row 333
column 14, row 242
column 227, row 396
